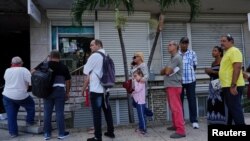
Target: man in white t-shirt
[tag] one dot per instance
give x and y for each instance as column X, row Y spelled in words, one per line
column 17, row 81
column 92, row 74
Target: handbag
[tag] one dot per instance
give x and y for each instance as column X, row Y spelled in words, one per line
column 128, row 86
column 216, row 84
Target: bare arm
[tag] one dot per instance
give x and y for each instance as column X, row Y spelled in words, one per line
column 236, row 74
column 68, row 85
column 85, row 82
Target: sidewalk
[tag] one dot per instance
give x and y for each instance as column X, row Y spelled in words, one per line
column 156, row 132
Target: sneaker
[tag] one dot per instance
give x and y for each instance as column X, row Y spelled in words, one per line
column 172, row 128
column 176, row 136
column 3, row 116
column 94, row 139
column 195, row 125
column 109, row 134
column 13, row 135
column 66, row 134
column 137, row 130
column 46, row 136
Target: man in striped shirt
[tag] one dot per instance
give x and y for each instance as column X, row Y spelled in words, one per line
column 189, row 79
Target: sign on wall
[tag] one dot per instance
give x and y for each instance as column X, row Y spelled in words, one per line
column 33, row 11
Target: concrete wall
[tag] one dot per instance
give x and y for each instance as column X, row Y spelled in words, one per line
column 39, row 41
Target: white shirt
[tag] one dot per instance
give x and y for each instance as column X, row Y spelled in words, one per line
column 93, row 67
column 17, row 80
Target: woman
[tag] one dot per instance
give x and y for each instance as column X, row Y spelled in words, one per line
column 138, row 62
column 215, row 104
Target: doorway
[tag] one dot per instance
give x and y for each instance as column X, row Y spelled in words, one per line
column 14, row 41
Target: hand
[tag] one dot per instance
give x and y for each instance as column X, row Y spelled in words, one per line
column 142, row 80
column 163, row 71
column 67, row 97
column 233, row 90
column 208, row 70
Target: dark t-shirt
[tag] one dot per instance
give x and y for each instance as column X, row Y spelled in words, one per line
column 60, row 71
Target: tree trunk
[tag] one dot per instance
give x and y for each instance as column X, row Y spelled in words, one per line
column 153, row 49
column 130, row 107
column 158, row 31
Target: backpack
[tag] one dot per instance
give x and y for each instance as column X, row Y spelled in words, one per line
column 41, row 81
column 108, row 77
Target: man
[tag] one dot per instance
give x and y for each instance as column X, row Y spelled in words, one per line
column 60, row 93
column 231, row 78
column 173, row 88
column 92, row 74
column 189, row 79
column 17, row 81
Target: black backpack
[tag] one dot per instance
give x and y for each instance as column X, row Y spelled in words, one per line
column 108, row 68
column 42, row 81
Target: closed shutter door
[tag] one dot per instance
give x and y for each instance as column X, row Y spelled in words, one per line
column 135, row 36
column 206, row 36
column 171, row 31
column 83, row 117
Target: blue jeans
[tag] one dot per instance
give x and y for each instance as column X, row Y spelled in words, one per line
column 12, row 107
column 97, row 103
column 191, row 97
column 57, row 99
column 141, row 117
column 233, row 103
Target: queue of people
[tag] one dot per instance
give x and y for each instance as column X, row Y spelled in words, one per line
column 224, row 103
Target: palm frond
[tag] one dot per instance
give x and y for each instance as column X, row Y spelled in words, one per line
column 129, row 4
column 80, row 6
column 194, row 6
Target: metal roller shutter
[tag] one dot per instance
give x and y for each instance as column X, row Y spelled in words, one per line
column 206, row 36
column 171, row 31
column 135, row 35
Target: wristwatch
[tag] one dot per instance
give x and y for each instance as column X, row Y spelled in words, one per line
column 233, row 85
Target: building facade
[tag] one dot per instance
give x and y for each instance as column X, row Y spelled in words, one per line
column 57, row 31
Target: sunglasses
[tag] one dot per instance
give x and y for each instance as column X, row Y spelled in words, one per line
column 135, row 57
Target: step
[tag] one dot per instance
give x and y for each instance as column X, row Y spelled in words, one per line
column 36, row 129
column 22, row 116
column 72, row 100
column 67, row 108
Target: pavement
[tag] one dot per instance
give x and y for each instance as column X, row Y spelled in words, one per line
column 156, row 132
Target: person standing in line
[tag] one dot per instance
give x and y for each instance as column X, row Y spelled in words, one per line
column 139, row 98
column 216, row 110
column 58, row 96
column 138, row 62
column 189, row 59
column 232, row 81
column 92, row 72
column 173, row 88
column 17, row 83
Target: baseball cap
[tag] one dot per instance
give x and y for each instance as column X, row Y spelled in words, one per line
column 184, row 40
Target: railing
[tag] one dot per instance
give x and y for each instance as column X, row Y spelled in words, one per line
column 77, row 82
